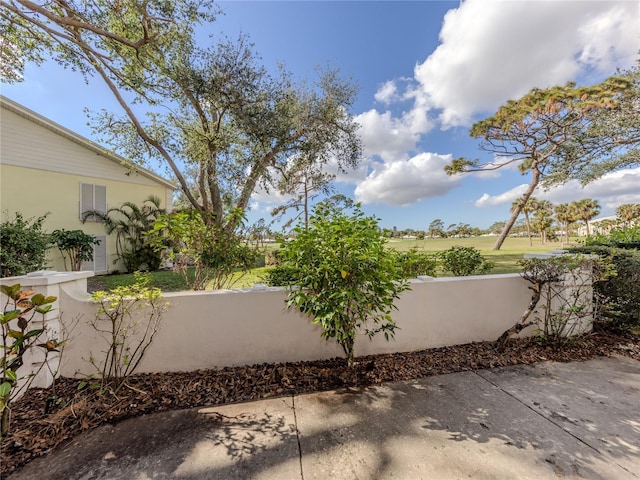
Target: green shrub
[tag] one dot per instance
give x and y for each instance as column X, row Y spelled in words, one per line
column 628, row 238
column 127, row 319
column 619, row 295
column 23, row 245
column 131, row 223
column 464, row 261
column 215, row 253
column 413, row 263
column 279, row 276
column 76, row 245
column 21, row 330
column 345, row 278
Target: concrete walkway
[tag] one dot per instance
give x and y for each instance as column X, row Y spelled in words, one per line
column 552, row 420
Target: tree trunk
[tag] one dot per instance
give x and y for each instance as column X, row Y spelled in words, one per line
column 526, row 219
column 516, row 211
column 523, row 323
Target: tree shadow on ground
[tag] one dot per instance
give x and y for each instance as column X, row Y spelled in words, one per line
column 475, row 424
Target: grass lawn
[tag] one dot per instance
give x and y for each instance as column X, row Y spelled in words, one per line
column 169, row 281
column 505, row 261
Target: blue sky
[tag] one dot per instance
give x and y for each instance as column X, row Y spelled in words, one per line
column 426, row 71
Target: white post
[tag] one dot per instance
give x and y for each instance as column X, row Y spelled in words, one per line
column 48, row 283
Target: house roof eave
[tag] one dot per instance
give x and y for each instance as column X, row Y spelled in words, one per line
column 80, row 140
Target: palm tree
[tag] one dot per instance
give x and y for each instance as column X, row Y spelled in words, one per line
column 585, row 210
column 528, row 208
column 543, row 218
column 628, row 213
column 564, row 215
column 130, row 222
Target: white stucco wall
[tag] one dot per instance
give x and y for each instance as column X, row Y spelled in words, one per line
column 225, row 328
column 215, row 329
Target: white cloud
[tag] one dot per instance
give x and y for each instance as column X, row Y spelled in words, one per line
column 491, row 51
column 509, row 196
column 384, row 135
column 406, row 181
column 611, row 190
column 387, row 93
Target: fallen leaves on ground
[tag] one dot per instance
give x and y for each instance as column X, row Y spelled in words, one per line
column 46, row 418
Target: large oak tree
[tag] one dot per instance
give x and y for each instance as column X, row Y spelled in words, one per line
column 212, row 111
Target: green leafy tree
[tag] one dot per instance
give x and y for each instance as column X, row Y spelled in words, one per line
column 229, row 121
column 609, row 142
column 585, row 210
column 131, row 223
column 527, row 209
column 436, row 228
column 74, row 244
column 346, row 279
column 303, row 184
column 23, row 245
column 531, row 131
column 496, row 227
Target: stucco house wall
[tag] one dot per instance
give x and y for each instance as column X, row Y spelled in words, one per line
column 43, row 167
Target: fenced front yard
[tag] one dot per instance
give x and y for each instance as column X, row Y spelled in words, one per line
column 215, row 329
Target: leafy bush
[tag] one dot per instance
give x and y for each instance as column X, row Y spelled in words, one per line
column 279, row 276
column 413, row 263
column 23, row 245
column 128, row 318
column 464, row 261
column 76, row 245
column 272, row 258
column 345, row 277
column 620, row 294
column 628, row 237
column 131, row 223
column 215, row 253
column 20, row 334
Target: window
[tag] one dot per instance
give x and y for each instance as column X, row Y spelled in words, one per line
column 92, row 197
column 99, row 262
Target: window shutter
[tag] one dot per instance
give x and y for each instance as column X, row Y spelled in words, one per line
column 93, row 197
column 99, row 262
column 100, row 255
column 100, row 198
column 86, row 197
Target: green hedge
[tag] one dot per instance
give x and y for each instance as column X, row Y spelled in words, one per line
column 620, row 294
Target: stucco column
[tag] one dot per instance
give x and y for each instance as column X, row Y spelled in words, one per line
column 48, row 283
column 577, row 289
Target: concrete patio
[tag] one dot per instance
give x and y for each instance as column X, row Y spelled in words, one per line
column 552, row 420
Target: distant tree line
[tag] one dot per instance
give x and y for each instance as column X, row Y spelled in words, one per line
column 538, row 218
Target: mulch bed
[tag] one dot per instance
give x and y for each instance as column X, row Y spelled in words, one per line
column 39, row 424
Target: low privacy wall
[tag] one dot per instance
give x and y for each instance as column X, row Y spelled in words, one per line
column 215, row 329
